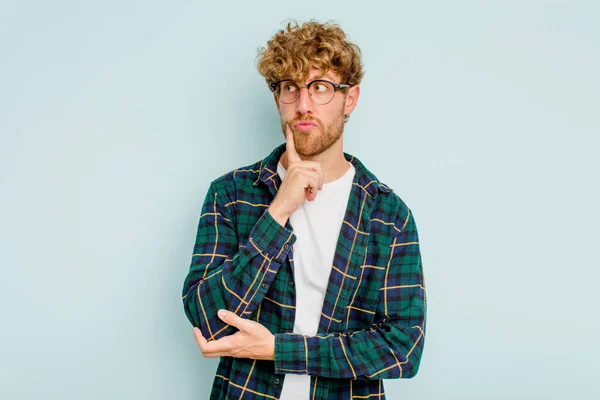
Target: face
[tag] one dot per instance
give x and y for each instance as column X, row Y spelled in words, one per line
column 317, row 127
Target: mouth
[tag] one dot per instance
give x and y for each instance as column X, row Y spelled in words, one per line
column 305, row 126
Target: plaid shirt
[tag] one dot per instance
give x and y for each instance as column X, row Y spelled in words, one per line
column 372, row 323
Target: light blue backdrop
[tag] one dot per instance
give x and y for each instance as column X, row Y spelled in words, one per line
column 115, row 116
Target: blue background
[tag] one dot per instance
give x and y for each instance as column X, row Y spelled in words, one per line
column 116, row 115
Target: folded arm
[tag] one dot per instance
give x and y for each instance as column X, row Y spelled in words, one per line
column 227, row 274
column 391, row 347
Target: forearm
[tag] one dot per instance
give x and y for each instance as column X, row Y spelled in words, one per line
column 390, row 349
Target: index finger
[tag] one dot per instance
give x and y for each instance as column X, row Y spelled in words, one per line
column 292, row 155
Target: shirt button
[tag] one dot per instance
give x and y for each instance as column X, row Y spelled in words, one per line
column 276, row 381
column 264, row 285
column 291, row 283
column 286, row 246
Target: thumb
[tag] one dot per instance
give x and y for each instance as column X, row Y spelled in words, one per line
column 231, row 319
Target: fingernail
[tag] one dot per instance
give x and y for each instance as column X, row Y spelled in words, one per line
column 221, row 313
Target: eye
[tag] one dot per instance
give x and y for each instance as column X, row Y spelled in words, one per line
column 320, row 87
column 289, row 87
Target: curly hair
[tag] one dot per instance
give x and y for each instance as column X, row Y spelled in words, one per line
column 292, row 52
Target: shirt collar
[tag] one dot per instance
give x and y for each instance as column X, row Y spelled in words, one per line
column 363, row 177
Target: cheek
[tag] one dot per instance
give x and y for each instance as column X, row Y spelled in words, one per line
column 331, row 114
column 286, row 113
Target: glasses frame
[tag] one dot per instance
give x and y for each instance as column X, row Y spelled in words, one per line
column 336, row 87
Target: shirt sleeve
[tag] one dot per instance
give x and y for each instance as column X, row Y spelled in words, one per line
column 391, row 347
column 228, row 274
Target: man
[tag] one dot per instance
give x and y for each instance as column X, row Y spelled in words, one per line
column 306, row 277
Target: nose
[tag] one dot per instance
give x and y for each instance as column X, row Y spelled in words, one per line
column 304, row 104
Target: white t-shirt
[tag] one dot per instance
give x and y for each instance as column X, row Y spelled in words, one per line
column 317, row 227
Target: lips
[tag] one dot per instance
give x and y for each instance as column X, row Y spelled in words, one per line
column 305, row 126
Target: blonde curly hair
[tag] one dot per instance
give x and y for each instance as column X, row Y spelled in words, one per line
column 292, row 52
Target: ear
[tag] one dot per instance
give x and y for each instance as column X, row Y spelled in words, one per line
column 351, row 99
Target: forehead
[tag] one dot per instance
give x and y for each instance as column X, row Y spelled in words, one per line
column 318, row 74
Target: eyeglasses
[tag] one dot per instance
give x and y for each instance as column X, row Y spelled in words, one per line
column 320, row 91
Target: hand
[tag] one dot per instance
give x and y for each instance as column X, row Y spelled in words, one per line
column 252, row 340
column 302, row 181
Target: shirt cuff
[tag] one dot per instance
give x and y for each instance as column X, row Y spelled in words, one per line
column 291, row 354
column 270, row 237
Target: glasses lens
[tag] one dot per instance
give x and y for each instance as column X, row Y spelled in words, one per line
column 321, row 92
column 288, row 92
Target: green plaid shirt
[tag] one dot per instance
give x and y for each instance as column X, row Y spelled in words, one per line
column 372, row 324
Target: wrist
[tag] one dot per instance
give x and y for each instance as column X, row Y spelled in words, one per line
column 271, row 348
column 277, row 214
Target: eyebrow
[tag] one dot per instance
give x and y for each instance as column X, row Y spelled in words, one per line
column 322, row 77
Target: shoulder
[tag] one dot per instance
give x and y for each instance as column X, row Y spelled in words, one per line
column 389, row 205
column 394, row 206
column 242, row 175
column 239, row 177
column 389, row 202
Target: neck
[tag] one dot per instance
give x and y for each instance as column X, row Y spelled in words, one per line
column 333, row 162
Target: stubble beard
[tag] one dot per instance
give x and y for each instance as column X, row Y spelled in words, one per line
column 317, row 140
